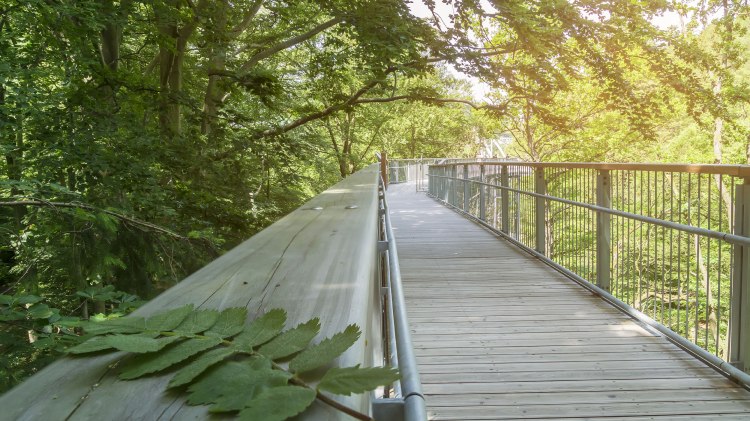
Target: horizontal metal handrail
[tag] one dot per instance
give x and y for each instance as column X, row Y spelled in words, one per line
column 410, row 386
column 730, row 238
column 724, row 169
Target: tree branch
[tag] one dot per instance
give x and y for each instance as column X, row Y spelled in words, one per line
column 127, row 219
column 287, row 44
column 432, row 100
column 248, row 18
column 319, row 114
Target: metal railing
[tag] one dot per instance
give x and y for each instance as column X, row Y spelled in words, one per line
column 411, row 171
column 670, row 241
column 404, row 400
column 415, row 170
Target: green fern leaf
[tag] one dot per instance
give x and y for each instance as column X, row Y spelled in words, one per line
column 138, row 343
column 119, row 325
column 261, row 330
column 152, row 363
column 101, row 343
column 229, row 386
column 198, row 321
column 291, row 341
column 278, row 403
column 201, row 364
column 231, row 322
column 324, row 352
column 95, row 344
column 168, row 320
column 345, row 381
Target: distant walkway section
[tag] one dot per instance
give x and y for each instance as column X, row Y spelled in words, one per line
column 500, row 335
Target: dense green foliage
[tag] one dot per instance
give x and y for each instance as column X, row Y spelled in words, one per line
column 234, row 366
column 34, row 333
column 141, row 139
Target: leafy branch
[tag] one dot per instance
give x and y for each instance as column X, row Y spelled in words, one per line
column 124, row 218
column 257, row 368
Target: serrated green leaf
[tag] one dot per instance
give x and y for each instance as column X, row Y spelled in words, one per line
column 84, row 294
column 39, row 311
column 231, row 322
column 229, row 386
column 326, row 351
column 263, row 378
column 345, row 381
column 95, row 344
column 120, row 325
column 168, row 320
column 147, row 364
column 138, row 343
column 28, row 299
column 201, row 364
column 278, row 403
column 291, row 341
column 100, row 343
column 261, row 330
column 198, row 321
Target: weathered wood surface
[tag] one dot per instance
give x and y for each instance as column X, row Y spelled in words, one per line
column 499, row 335
column 312, row 263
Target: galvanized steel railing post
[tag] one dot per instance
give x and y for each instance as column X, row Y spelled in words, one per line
column 540, row 187
column 467, row 188
column 739, row 318
column 384, row 168
column 505, row 200
column 445, row 185
column 603, row 231
column 452, row 185
column 430, row 183
column 482, row 199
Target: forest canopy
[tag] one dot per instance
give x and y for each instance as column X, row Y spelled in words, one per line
column 141, row 139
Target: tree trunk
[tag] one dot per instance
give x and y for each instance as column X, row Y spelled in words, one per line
column 712, row 323
column 14, row 157
column 718, row 159
column 110, row 38
column 216, row 65
column 170, row 68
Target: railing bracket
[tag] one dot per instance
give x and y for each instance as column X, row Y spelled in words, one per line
column 388, row 409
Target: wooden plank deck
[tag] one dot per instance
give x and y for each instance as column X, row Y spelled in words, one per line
column 500, row 335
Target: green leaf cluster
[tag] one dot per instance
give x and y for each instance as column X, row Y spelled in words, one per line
column 257, row 370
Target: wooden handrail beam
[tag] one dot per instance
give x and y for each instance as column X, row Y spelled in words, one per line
column 318, row 261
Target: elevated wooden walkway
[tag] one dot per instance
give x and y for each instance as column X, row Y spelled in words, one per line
column 500, row 335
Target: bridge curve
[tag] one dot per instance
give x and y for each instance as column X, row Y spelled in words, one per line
column 500, row 335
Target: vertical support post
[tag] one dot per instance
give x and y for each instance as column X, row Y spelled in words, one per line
column 444, row 185
column 430, row 183
column 505, row 200
column 540, row 187
column 739, row 318
column 482, row 199
column 384, row 168
column 452, row 184
column 467, row 188
column 603, row 231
